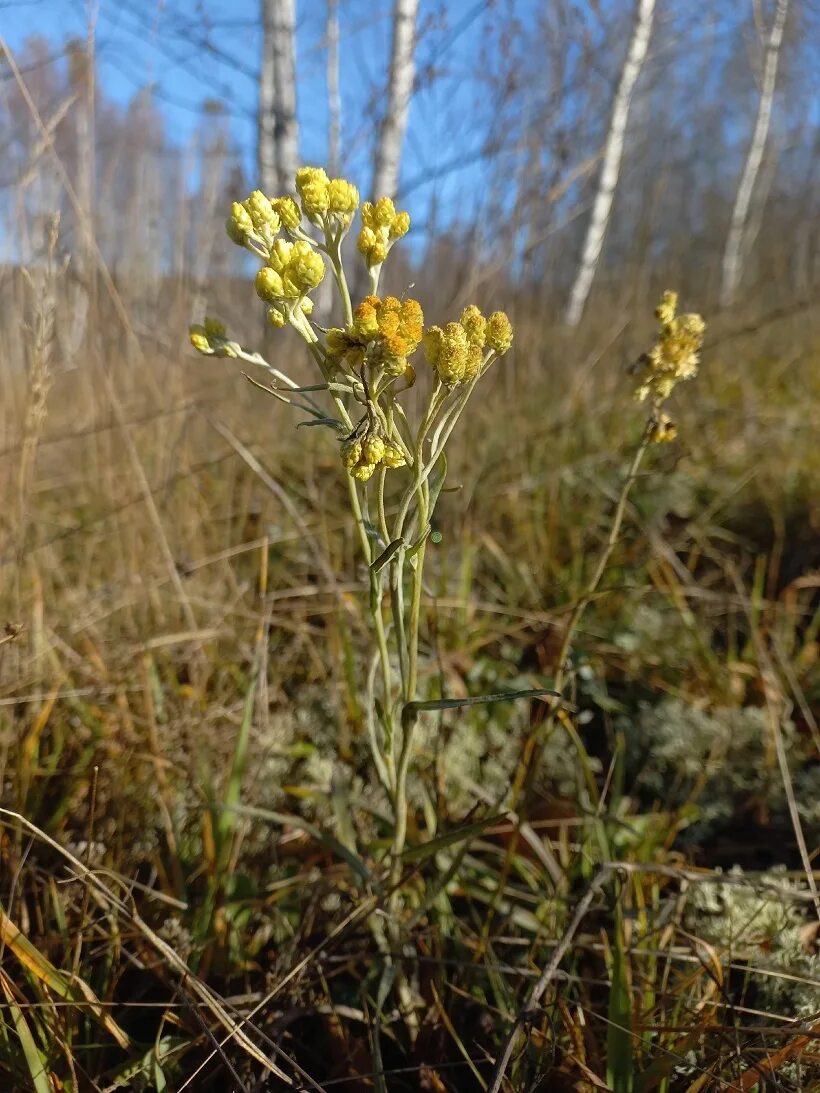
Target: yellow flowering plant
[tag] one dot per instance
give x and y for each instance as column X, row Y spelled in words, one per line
column 365, row 366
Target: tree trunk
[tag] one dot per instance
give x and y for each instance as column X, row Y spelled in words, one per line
column 399, row 93
column 277, row 145
column 734, row 253
column 611, row 168
column 334, row 99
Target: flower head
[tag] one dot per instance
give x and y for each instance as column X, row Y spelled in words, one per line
column 343, row 200
column 362, row 455
column 475, row 326
column 499, row 332
column 447, row 351
column 381, row 227
column 211, row 339
column 313, row 188
column 675, row 354
column 288, row 212
column 293, row 270
column 385, row 332
column 239, row 224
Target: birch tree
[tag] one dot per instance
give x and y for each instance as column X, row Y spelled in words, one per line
column 735, row 249
column 334, row 97
column 611, row 167
column 399, row 92
column 277, row 129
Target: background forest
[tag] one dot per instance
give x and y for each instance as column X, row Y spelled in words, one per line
column 189, row 830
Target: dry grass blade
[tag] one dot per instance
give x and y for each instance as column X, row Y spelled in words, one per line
column 65, row 987
column 35, row 1060
column 188, row 981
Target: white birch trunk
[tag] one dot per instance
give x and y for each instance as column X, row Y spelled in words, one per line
column 399, row 93
column 277, row 128
column 334, row 98
column 734, row 253
column 611, row 167
column 265, row 146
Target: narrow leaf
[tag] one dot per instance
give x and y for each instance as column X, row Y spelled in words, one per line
column 412, row 708
column 449, row 838
column 35, row 1060
column 333, row 844
column 386, row 555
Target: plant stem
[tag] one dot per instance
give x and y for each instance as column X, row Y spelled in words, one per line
column 535, row 745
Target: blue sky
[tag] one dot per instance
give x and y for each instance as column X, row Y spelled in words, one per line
column 189, row 52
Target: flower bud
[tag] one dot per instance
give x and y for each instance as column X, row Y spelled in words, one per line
column 262, row 213
column 475, row 326
column 239, row 224
column 393, row 456
column 365, row 318
column 343, row 198
column 269, row 285
column 312, row 185
column 199, row 340
column 400, row 226
column 351, row 453
column 432, row 344
column 499, row 332
column 288, row 212
column 276, row 318
column 384, row 212
column 452, row 357
column 372, row 449
column 363, row 471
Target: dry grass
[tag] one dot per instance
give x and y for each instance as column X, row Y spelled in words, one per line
column 191, row 846
column 186, row 633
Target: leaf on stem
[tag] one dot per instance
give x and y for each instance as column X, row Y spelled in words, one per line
column 409, row 711
column 449, row 838
column 331, row 422
column 385, row 556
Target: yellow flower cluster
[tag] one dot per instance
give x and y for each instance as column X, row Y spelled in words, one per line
column 676, row 353
column 457, row 351
column 211, row 339
column 253, row 218
column 293, row 270
column 361, row 457
column 323, row 197
column 381, row 227
column 384, row 332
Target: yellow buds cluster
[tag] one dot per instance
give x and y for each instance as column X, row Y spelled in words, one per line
column 456, row 352
column 255, row 217
column 676, row 353
column 293, row 270
column 362, row 456
column 385, row 332
column 381, row 227
column 322, row 196
column 210, row 339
